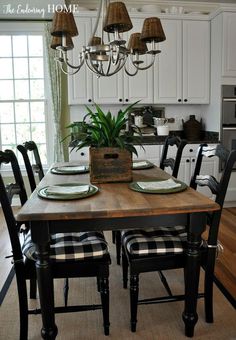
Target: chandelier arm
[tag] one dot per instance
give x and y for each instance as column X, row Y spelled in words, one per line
column 61, row 63
column 63, row 56
column 146, row 67
column 129, row 73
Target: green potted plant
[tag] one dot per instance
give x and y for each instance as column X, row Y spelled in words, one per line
column 111, row 146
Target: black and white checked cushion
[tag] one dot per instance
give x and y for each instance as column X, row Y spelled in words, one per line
column 155, row 241
column 71, row 246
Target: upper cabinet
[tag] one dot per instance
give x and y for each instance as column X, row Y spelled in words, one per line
column 180, row 73
column 86, row 87
column 80, row 84
column 183, row 67
column 229, row 45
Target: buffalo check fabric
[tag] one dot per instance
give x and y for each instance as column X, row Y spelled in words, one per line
column 70, row 246
column 155, row 241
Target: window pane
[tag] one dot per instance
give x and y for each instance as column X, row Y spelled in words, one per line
column 19, row 45
column 22, row 112
column 8, row 134
column 5, row 40
column 43, row 153
column 21, row 89
column 21, row 68
column 22, row 133
column 37, row 89
column 37, row 112
column 6, row 113
column 6, row 68
column 35, row 45
column 39, row 132
column 6, row 90
column 36, row 67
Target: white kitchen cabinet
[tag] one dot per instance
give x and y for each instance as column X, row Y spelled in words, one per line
column 80, row 90
column 183, row 67
column 85, row 87
column 229, row 46
column 149, row 152
column 81, row 155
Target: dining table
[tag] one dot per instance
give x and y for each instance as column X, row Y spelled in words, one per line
column 115, row 206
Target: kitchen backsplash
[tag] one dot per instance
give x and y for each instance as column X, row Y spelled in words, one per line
column 77, row 112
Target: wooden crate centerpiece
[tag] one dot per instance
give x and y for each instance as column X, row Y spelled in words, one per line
column 110, row 164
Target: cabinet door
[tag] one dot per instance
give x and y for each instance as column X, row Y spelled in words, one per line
column 196, row 61
column 80, row 84
column 148, row 152
column 168, row 66
column 108, row 90
column 140, row 86
column 229, row 46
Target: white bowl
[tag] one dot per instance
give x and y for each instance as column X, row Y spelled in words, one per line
column 150, row 8
column 162, row 130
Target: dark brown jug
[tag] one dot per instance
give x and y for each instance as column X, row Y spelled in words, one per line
column 192, row 128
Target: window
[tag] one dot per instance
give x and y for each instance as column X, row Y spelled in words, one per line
column 23, row 100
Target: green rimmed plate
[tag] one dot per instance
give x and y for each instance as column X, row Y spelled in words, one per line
column 135, row 186
column 70, row 170
column 43, row 192
column 139, row 165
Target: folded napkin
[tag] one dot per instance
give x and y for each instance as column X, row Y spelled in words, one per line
column 71, row 168
column 157, row 185
column 139, row 164
column 67, row 190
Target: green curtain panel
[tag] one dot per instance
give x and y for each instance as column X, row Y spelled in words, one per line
column 55, row 89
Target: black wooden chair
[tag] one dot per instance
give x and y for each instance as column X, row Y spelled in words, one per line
column 171, row 162
column 79, row 260
column 172, row 242
column 34, row 168
column 165, row 161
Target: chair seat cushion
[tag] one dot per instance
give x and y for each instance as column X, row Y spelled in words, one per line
column 155, row 241
column 70, row 246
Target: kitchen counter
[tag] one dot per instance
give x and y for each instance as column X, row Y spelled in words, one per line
column 207, row 137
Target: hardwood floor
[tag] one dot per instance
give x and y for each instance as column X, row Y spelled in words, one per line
column 225, row 270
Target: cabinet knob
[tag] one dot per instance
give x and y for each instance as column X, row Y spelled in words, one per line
column 187, row 160
column 126, row 99
column 190, row 150
column 193, row 160
column 82, row 154
column 120, row 100
column 179, row 100
column 185, row 100
column 89, row 100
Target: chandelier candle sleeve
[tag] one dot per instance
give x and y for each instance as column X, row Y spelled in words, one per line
column 106, row 52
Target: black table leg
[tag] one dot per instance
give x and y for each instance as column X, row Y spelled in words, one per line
column 40, row 236
column 192, row 270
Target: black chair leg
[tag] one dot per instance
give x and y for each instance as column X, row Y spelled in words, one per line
column 23, row 303
column 104, row 292
column 113, row 237
column 124, row 269
column 98, row 285
column 134, row 290
column 209, row 277
column 118, row 246
column 66, row 290
column 33, row 288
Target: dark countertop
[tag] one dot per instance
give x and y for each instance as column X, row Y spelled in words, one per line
column 207, row 137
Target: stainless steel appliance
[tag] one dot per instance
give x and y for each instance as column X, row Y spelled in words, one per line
column 228, row 131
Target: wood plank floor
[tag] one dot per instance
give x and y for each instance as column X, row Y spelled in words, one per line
column 225, row 269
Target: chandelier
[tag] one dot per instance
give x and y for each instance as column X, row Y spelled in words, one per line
column 106, row 52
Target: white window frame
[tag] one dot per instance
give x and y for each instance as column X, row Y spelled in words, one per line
column 24, row 28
